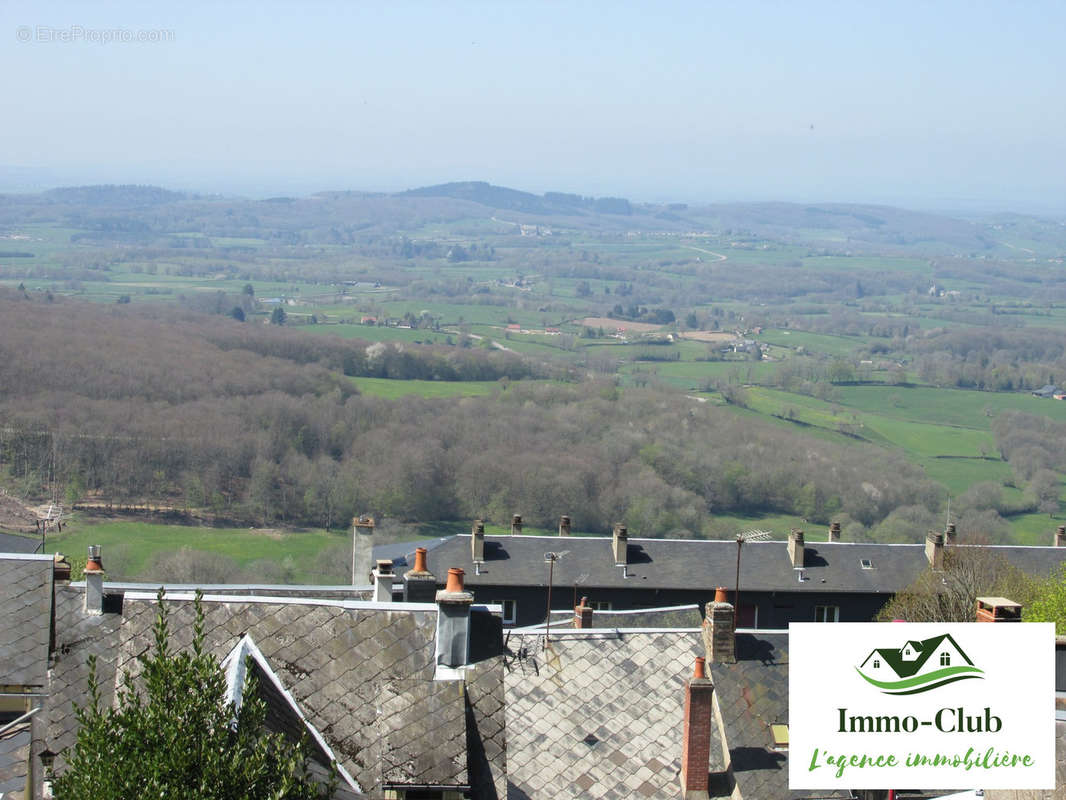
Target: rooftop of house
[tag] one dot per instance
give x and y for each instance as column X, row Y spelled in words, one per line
column 700, row 563
column 26, row 600
column 16, row 543
column 598, row 714
column 363, row 675
column 753, row 695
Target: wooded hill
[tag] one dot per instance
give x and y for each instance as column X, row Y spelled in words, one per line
column 261, row 424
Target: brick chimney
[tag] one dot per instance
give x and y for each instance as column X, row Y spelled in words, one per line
column 834, row 532
column 950, row 533
column 516, row 524
column 362, row 549
column 696, row 741
column 620, row 544
column 383, row 577
column 583, row 614
column 719, row 639
column 934, row 550
column 564, row 525
column 419, row 585
column 1060, row 536
column 94, row 581
column 795, row 548
column 998, row 609
column 477, row 542
column 453, row 621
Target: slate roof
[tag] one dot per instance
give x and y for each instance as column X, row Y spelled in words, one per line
column 402, row 554
column 13, row 543
column 78, row 637
column 599, row 714
column 14, row 754
column 362, row 675
column 26, row 606
column 695, row 563
column 752, row 694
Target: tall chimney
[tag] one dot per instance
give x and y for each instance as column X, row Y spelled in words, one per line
column 453, row 621
column 516, row 524
column 949, row 533
column 583, row 614
column 834, row 532
column 795, row 547
column 383, row 576
column 564, row 525
column 94, row 581
column 362, row 549
column 719, row 639
column 620, row 544
column 477, row 542
column 934, row 550
column 1060, row 536
column 419, row 585
column 60, row 568
column 696, row 741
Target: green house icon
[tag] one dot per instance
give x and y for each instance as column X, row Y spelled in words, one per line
column 918, row 665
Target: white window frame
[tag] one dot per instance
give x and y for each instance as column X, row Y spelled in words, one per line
column 828, row 613
column 513, row 618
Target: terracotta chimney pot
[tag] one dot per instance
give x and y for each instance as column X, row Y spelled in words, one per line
column 455, row 580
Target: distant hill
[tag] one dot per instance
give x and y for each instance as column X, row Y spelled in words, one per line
column 551, row 203
column 111, row 195
column 881, row 225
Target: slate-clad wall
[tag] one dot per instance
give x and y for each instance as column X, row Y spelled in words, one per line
column 775, row 609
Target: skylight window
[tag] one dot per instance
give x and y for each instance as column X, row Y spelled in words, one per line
column 866, row 563
column 779, row 734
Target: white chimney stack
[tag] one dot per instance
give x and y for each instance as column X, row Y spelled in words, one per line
column 94, row 581
column 383, row 577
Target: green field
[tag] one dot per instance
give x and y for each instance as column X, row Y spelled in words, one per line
column 385, row 387
column 134, row 544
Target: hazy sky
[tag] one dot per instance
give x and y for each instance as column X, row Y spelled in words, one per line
column 933, row 104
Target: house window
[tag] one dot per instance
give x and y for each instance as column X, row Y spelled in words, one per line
column 827, row 613
column 599, row 605
column 510, row 610
column 877, row 663
column 945, row 659
column 866, row 563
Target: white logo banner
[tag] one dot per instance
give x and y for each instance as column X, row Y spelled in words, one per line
column 921, row 706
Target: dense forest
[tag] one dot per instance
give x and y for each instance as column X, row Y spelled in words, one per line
column 260, row 423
